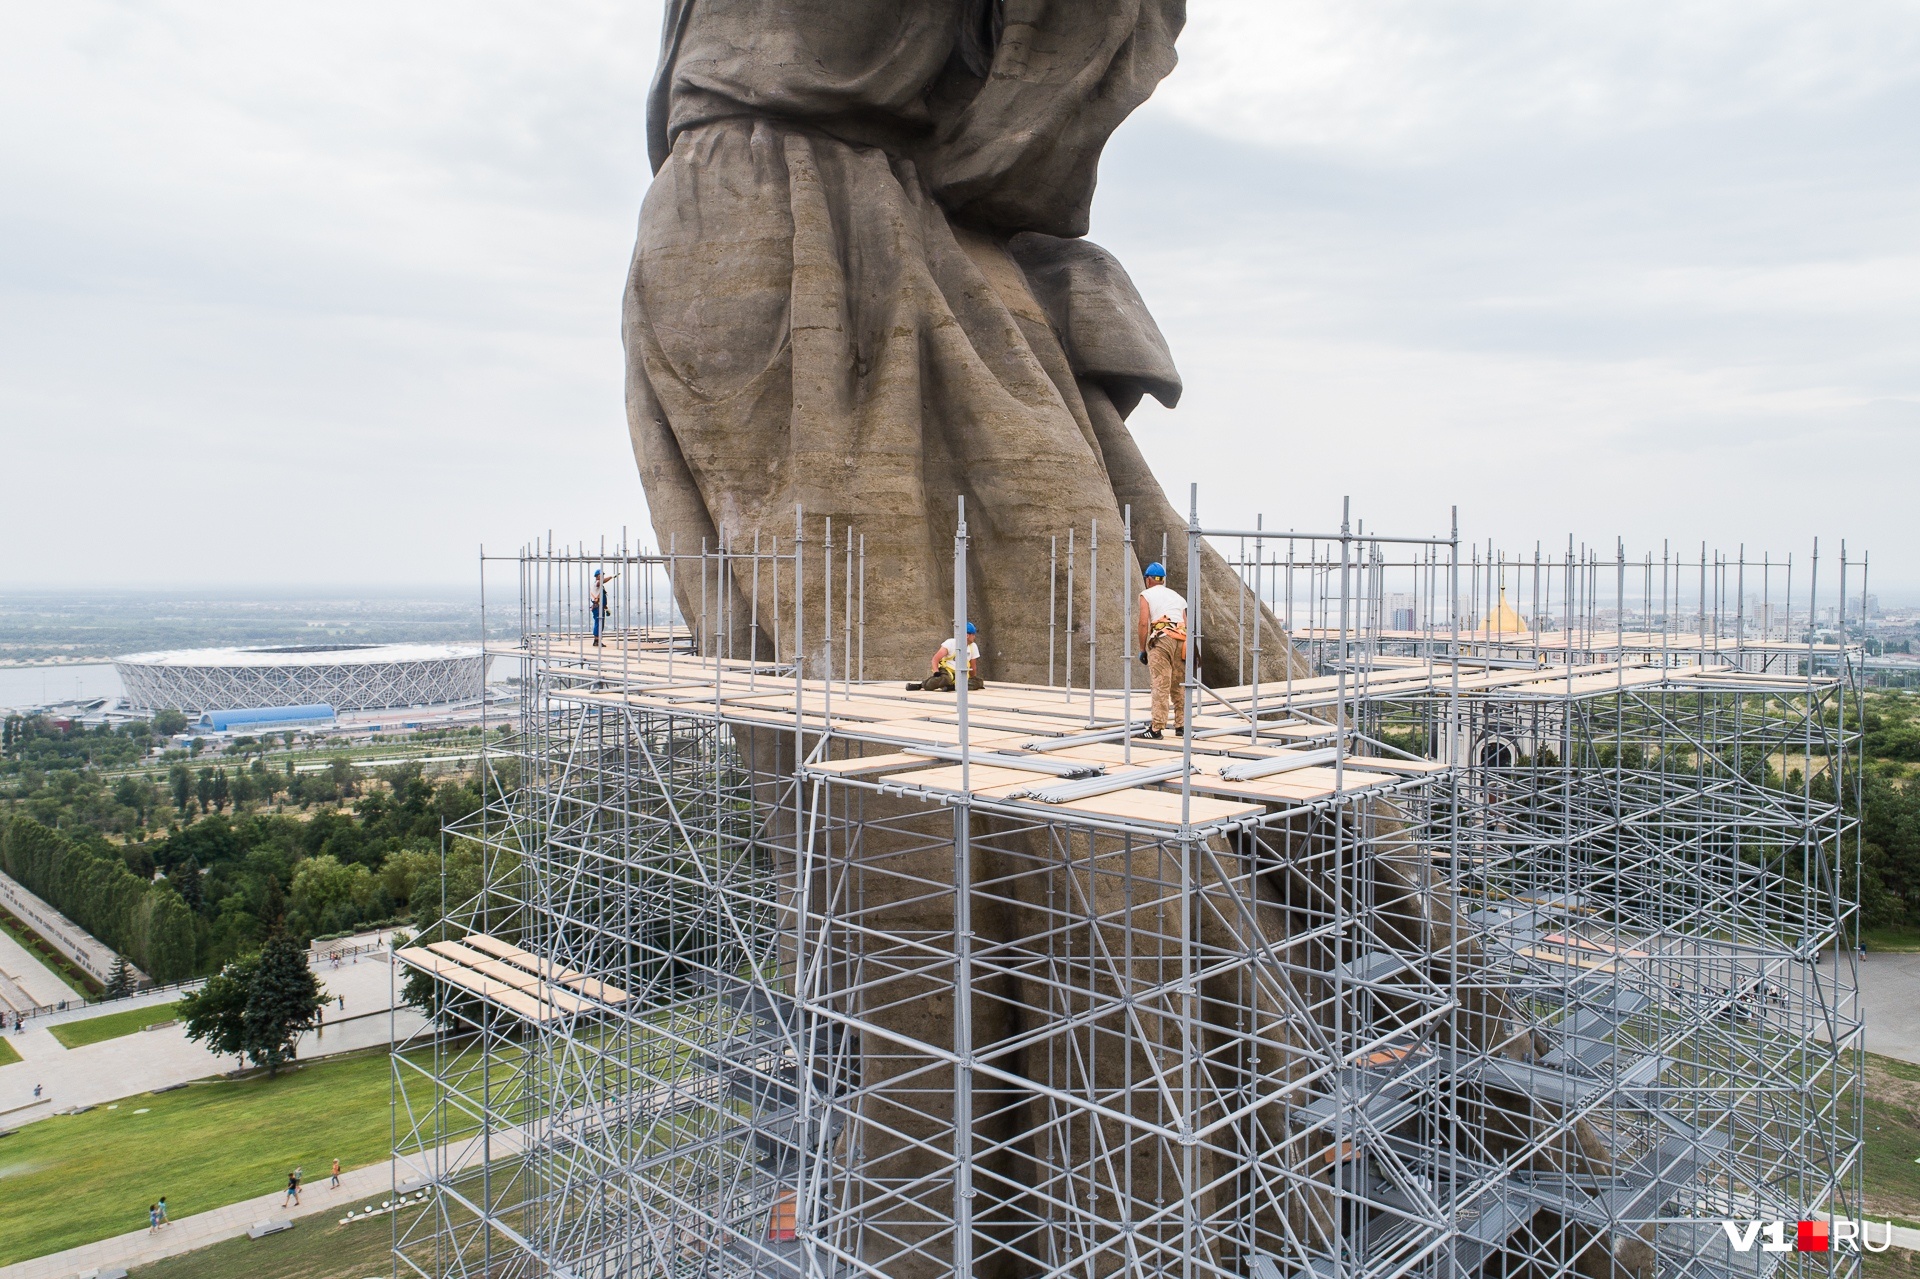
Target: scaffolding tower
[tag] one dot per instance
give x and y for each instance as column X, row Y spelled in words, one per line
column 1464, row 952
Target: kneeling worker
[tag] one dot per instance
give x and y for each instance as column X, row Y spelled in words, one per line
column 1163, row 647
column 942, row 679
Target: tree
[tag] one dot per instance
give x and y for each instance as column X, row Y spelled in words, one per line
column 119, row 981
column 216, row 1014
column 257, row 1006
column 185, row 879
column 282, row 1002
column 168, row 722
column 329, row 897
column 180, row 777
column 222, row 791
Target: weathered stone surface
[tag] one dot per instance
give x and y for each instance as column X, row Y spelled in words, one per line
column 851, row 293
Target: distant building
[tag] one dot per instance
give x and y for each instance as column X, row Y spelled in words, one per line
column 263, row 718
column 339, row 677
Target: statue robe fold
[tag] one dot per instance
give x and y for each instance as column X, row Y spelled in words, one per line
column 858, row 288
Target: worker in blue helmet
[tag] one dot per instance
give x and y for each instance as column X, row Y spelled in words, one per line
column 946, row 660
column 1163, row 648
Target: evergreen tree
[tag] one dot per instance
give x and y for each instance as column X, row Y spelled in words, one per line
column 185, row 879
column 216, row 1014
column 119, row 981
column 182, row 779
column 222, row 791
column 282, row 1002
column 257, row 1006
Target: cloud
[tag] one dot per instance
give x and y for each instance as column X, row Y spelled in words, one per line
column 1600, row 270
column 329, row 293
column 1403, row 79
column 352, row 269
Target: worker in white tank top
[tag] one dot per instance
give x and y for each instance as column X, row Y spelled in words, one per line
column 1163, row 647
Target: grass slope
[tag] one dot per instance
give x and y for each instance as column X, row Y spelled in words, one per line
column 72, row 1179
column 316, row 1248
column 1895, row 938
column 8, row 1053
column 93, row 1030
column 1893, row 1140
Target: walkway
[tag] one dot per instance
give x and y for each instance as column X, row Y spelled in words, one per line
column 371, row 1184
column 27, row 981
column 145, row 1060
column 1890, row 1001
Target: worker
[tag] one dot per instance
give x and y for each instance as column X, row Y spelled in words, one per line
column 1163, row 647
column 597, row 601
column 944, row 661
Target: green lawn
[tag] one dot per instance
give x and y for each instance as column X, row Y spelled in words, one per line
column 8, row 1053
column 1893, row 1140
column 1891, row 939
column 92, row 1030
column 72, row 1179
column 316, row 1248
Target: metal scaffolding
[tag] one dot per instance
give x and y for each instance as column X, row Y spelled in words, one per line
column 1472, row 949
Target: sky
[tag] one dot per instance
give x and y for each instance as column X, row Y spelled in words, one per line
column 328, row 295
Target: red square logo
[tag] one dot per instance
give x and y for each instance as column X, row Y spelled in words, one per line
column 1811, row 1237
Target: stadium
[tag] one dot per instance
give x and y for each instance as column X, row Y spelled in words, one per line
column 346, row 677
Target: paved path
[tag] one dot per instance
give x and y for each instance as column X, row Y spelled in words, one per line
column 1890, row 1001
column 141, row 1062
column 358, row 1188
column 29, row 982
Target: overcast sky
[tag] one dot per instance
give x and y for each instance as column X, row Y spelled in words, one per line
column 329, row 294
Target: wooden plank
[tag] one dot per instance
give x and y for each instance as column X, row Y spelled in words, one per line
column 499, row 992
column 1160, row 806
column 514, row 955
column 1300, row 786
column 982, row 779
column 588, row 986
column 517, row 978
column 870, row 764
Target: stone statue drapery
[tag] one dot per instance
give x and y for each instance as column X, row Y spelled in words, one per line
column 858, row 288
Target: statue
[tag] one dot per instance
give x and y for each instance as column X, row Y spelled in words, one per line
column 860, row 287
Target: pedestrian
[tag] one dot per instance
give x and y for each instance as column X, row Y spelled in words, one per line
column 162, row 1205
column 153, row 1218
column 1163, row 648
column 36, row 1090
column 335, row 1183
column 343, row 1003
column 597, row 601
column 946, row 660
column 293, row 1189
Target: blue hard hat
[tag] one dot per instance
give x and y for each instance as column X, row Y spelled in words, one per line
column 1156, row 569
column 972, row 629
